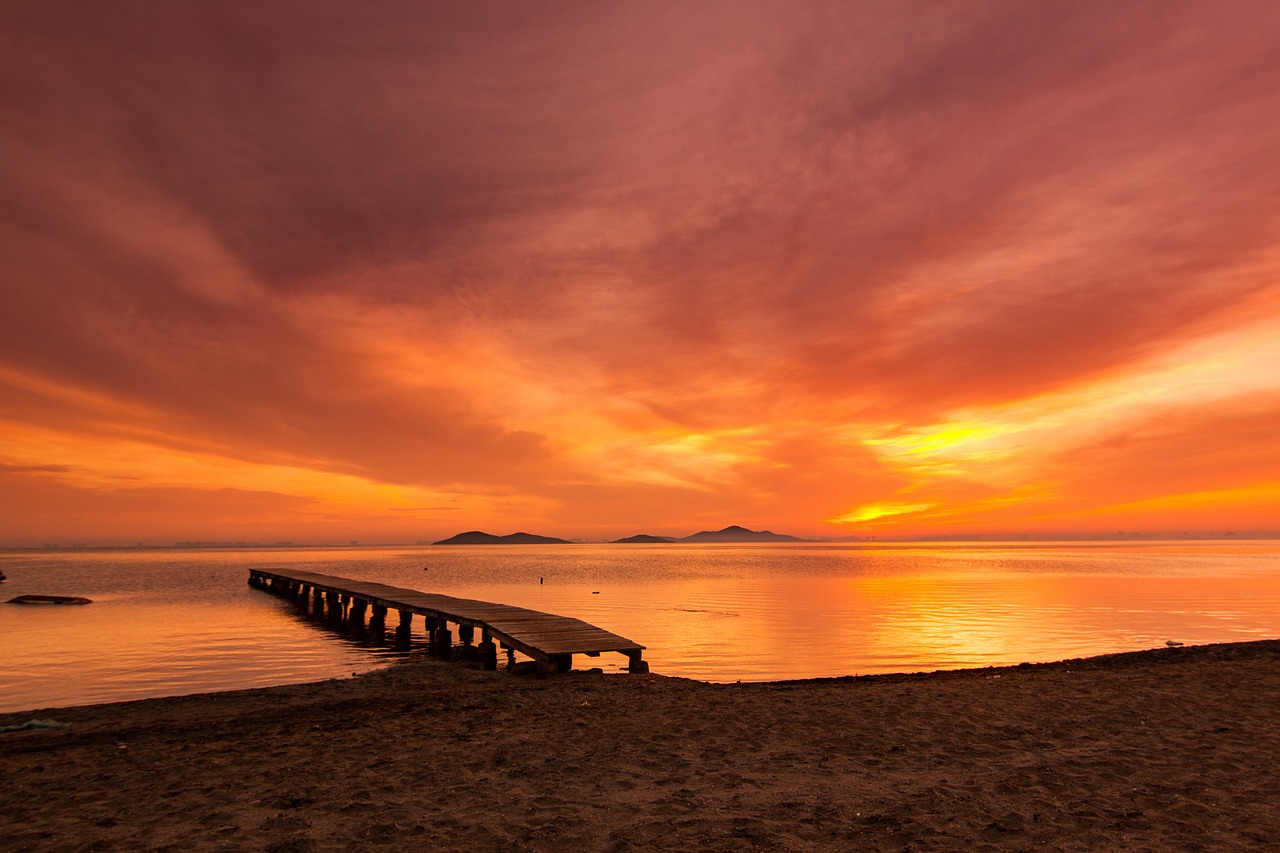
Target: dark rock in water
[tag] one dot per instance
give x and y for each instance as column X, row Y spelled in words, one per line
column 734, row 533
column 643, row 539
column 50, row 599
column 478, row 537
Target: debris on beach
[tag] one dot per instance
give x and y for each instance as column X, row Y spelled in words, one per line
column 31, row 725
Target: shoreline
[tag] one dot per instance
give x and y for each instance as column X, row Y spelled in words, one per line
column 405, row 660
column 1160, row 749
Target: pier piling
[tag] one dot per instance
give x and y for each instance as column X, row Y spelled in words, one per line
column 378, row 623
column 403, row 630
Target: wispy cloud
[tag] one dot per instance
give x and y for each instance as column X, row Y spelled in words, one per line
column 595, row 266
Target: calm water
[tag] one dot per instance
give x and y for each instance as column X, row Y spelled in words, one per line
column 171, row 622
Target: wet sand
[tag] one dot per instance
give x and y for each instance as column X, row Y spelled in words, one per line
column 1175, row 749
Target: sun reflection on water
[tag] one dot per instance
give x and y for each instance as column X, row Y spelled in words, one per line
column 173, row 622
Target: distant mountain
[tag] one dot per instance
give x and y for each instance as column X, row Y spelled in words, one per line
column 734, row 533
column 477, row 537
column 643, row 539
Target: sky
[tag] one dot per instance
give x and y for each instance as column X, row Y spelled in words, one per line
column 317, row 271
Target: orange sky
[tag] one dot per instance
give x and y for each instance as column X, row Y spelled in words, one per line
column 318, row 272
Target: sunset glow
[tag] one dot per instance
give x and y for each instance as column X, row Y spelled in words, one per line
column 319, row 273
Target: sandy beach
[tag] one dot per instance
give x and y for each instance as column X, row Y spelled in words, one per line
column 1174, row 749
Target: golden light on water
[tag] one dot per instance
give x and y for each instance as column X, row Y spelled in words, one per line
column 166, row 622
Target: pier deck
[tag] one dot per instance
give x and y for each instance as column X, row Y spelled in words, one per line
column 550, row 640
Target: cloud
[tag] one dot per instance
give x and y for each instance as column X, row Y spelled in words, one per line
column 578, row 253
column 37, row 510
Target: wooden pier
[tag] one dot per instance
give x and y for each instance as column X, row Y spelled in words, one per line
column 362, row 607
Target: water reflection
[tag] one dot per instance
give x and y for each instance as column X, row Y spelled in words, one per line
column 174, row 622
column 902, row 613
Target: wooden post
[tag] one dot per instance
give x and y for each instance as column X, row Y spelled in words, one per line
column 466, row 634
column 564, row 663
column 430, row 623
column 402, row 630
column 488, row 650
column 488, row 655
column 636, row 664
column 378, row 624
column 443, row 639
column 356, row 619
column 317, row 603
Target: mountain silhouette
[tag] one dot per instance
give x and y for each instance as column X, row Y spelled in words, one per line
column 478, row 537
column 735, row 533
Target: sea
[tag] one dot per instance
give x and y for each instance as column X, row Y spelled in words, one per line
column 177, row 621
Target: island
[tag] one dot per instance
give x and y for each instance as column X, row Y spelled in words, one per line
column 732, row 534
column 478, row 537
column 735, row 533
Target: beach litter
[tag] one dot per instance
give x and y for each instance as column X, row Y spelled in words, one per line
column 32, row 725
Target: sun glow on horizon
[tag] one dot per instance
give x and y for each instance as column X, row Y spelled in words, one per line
column 1005, row 447
column 644, row 284
column 875, row 512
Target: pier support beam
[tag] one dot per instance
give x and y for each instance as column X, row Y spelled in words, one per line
column 355, row 619
column 442, row 639
column 466, row 634
column 430, row 624
column 317, row 603
column 403, row 629
column 637, row 664
column 378, row 624
column 488, row 651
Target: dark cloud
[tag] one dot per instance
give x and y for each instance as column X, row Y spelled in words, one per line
column 729, row 215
